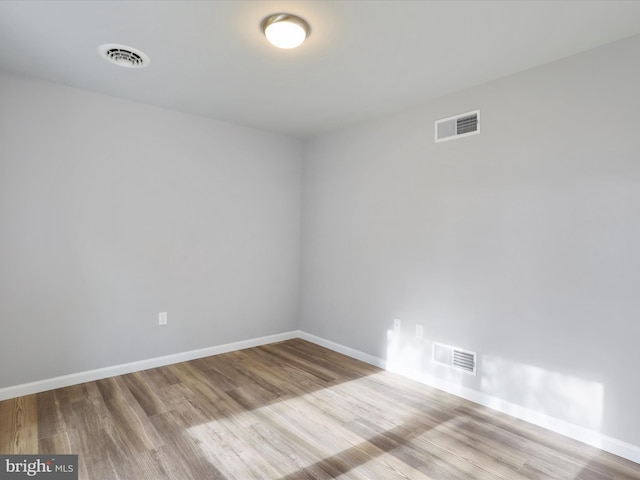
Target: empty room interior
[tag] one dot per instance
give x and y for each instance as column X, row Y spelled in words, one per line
column 403, row 246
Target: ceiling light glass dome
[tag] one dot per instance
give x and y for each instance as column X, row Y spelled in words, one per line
column 285, row 31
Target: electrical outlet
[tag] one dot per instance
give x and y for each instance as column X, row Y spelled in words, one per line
column 419, row 331
column 396, row 324
column 162, row 318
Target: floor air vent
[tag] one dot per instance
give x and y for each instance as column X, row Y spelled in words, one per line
column 458, row 126
column 455, row 357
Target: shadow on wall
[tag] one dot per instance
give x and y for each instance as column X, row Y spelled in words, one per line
column 557, row 395
column 505, row 385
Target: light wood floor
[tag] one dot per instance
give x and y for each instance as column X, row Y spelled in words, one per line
column 287, row 411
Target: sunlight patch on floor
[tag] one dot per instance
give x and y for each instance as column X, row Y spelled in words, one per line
column 303, row 430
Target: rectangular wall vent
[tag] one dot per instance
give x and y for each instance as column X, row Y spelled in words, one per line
column 458, row 126
column 455, row 357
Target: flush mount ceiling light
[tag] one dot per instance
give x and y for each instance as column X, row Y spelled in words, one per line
column 284, row 30
column 124, row 56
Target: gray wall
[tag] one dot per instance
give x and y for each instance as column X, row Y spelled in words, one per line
column 521, row 243
column 112, row 211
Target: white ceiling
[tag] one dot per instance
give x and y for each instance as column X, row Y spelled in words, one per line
column 363, row 58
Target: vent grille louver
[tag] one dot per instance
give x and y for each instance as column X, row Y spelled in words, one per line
column 119, row 55
column 467, row 124
column 124, row 56
column 455, row 357
column 458, row 126
column 464, row 360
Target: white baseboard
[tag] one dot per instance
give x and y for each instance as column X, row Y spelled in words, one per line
column 100, row 373
column 584, row 435
column 348, row 351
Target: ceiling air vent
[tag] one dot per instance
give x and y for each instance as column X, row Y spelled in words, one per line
column 455, row 357
column 458, row 126
column 124, row 56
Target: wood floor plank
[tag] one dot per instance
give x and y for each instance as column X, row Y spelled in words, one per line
column 145, row 392
column 482, row 452
column 129, row 420
column 181, row 457
column 288, row 411
column 51, row 420
column 19, row 425
column 7, row 430
column 283, row 462
column 55, row 444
